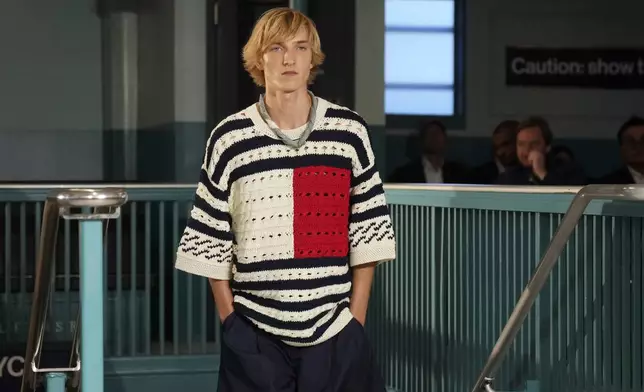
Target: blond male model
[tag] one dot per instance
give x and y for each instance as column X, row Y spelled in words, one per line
column 288, row 224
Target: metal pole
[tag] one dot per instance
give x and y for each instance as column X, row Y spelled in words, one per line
column 531, row 291
column 547, row 263
column 45, row 275
column 106, row 204
column 91, row 290
column 55, row 382
column 120, row 81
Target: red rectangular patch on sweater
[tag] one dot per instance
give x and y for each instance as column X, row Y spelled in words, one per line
column 321, row 211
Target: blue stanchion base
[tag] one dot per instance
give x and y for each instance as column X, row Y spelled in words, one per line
column 55, row 382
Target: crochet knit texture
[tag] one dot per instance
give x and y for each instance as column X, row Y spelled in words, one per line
column 286, row 224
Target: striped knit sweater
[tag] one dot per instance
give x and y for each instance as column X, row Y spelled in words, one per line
column 286, row 224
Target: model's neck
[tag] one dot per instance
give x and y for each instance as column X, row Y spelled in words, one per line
column 288, row 110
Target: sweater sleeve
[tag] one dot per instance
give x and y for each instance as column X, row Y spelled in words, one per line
column 206, row 245
column 371, row 233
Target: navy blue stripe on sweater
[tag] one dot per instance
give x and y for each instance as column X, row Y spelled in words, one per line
column 270, row 265
column 345, row 114
column 210, row 211
column 210, row 231
column 263, row 141
column 364, row 177
column 340, row 136
column 290, row 326
column 263, row 165
column 212, row 189
column 294, row 284
column 275, row 323
column 374, row 191
column 241, row 147
column 369, row 214
column 224, row 129
column 299, row 306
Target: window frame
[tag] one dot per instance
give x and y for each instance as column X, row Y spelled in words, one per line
column 457, row 120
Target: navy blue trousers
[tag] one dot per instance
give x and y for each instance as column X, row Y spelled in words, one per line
column 253, row 361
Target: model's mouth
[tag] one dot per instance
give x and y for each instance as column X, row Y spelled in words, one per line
column 289, row 73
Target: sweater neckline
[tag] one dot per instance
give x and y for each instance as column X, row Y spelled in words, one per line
column 262, row 127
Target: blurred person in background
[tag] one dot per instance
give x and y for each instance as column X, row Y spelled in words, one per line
column 537, row 164
column 563, row 155
column 504, row 154
column 631, row 147
column 432, row 167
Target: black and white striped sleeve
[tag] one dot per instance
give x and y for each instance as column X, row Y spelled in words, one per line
column 371, row 233
column 206, row 245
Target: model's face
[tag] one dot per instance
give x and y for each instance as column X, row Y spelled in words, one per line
column 287, row 65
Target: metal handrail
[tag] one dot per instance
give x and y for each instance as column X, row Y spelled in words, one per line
column 571, row 190
column 548, row 261
column 65, row 202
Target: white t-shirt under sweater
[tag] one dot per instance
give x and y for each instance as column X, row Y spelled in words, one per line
column 293, row 134
column 285, row 224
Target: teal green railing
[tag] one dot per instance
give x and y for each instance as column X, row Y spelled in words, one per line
column 464, row 256
column 553, row 252
column 152, row 309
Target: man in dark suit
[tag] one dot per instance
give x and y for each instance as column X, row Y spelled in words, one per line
column 503, row 152
column 431, row 167
column 537, row 165
column 631, row 147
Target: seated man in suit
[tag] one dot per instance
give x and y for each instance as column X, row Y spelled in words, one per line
column 431, row 167
column 631, row 147
column 537, row 165
column 503, row 151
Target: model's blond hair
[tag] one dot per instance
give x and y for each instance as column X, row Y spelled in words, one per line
column 275, row 26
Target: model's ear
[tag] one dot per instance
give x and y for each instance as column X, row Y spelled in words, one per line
column 260, row 66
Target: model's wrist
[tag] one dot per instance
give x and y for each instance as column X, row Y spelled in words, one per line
column 358, row 312
column 225, row 313
column 360, row 318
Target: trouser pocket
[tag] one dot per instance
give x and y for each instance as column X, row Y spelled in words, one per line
column 354, row 368
column 242, row 368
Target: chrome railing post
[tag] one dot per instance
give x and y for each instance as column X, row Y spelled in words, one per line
column 103, row 204
column 44, row 277
column 487, row 385
column 545, row 266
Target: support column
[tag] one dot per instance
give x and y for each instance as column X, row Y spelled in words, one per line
column 92, row 311
column 190, row 84
column 120, row 84
column 370, row 73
